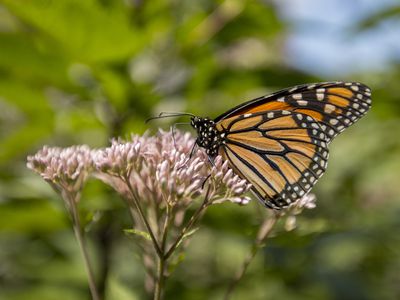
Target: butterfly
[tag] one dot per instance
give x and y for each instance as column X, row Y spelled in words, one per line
column 279, row 142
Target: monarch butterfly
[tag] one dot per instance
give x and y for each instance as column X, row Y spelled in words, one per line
column 279, row 142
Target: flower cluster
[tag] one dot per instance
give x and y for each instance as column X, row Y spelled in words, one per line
column 159, row 177
column 65, row 168
column 296, row 208
column 163, row 169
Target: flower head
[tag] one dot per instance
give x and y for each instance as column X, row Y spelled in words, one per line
column 163, row 169
column 307, row 201
column 66, row 168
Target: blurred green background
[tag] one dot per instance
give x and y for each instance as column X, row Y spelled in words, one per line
column 74, row 72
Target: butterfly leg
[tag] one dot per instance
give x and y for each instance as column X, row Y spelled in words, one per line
column 190, row 156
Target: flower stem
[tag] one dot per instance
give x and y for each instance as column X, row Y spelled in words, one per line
column 143, row 217
column 262, row 234
column 162, row 261
column 82, row 247
column 193, row 219
column 160, row 280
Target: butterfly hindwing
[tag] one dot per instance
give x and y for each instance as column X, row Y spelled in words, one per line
column 282, row 153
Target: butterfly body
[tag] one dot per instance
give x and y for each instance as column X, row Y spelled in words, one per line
column 279, row 142
column 208, row 136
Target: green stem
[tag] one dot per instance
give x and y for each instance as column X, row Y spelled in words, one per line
column 263, row 233
column 162, row 261
column 82, row 247
column 160, row 280
column 193, row 219
column 143, row 217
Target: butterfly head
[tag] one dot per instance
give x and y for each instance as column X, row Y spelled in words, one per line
column 208, row 136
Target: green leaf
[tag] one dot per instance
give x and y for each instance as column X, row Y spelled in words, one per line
column 137, row 232
column 187, row 235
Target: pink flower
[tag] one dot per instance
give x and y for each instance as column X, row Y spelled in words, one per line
column 160, row 170
column 65, row 168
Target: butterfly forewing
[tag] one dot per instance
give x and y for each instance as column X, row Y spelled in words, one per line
column 335, row 105
column 282, row 153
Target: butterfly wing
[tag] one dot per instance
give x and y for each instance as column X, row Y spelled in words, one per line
column 334, row 105
column 282, row 153
column 280, row 142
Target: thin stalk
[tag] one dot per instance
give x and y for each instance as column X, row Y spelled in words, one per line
column 167, row 222
column 162, row 261
column 262, row 234
column 160, row 280
column 82, row 247
column 193, row 219
column 143, row 217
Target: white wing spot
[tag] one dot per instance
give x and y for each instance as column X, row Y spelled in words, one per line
column 333, row 121
column 270, row 115
column 354, row 88
column 315, row 125
column 329, row 108
column 302, row 102
column 297, row 96
column 320, row 96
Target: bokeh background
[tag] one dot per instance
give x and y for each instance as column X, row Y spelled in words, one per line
column 74, row 72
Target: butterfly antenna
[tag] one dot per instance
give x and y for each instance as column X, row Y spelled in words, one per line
column 164, row 114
